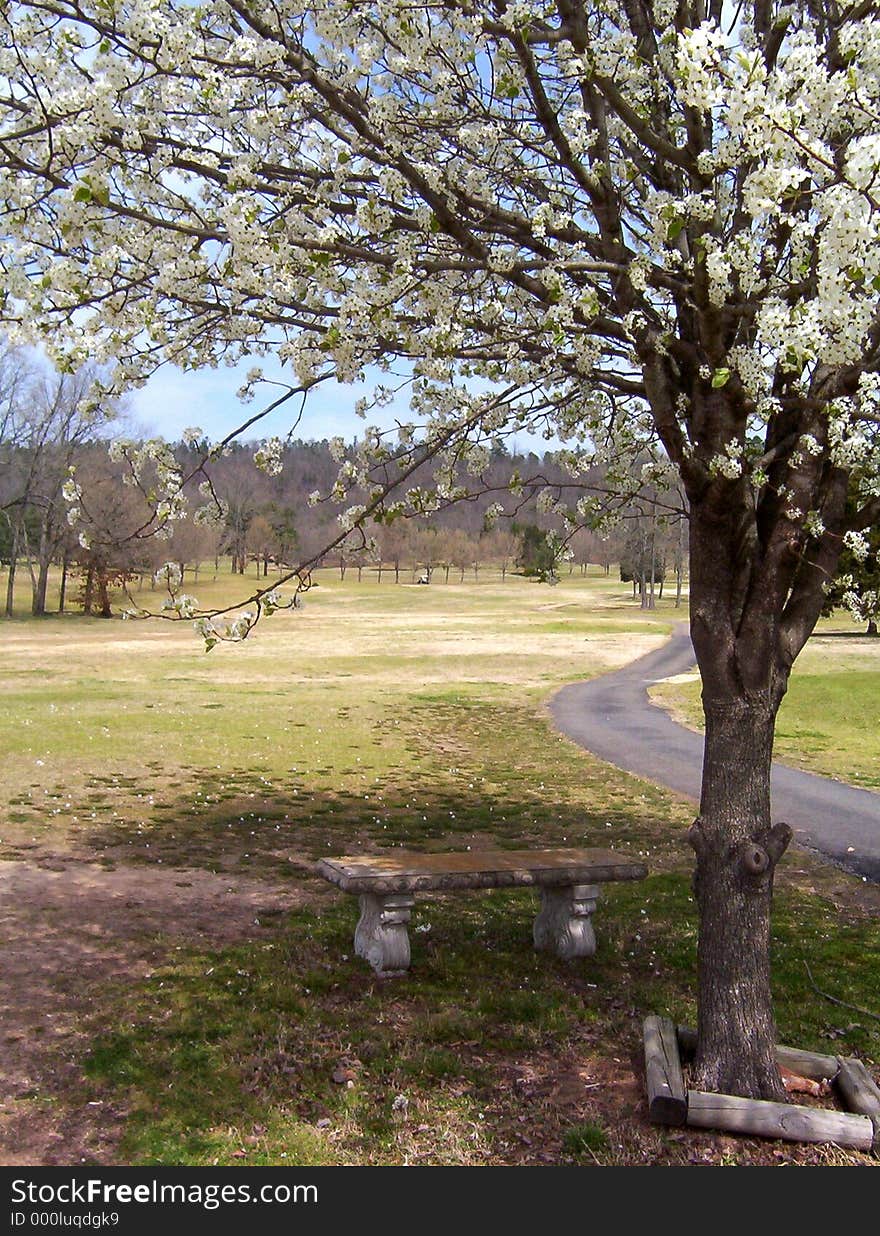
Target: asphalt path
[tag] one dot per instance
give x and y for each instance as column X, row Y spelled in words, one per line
column 613, row 717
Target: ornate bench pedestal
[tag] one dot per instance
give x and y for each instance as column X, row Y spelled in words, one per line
column 381, row 937
column 564, row 925
column 387, row 883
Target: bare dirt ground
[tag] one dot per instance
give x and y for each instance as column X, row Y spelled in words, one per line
column 71, row 930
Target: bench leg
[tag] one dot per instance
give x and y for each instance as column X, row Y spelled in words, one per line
column 381, row 937
column 564, row 925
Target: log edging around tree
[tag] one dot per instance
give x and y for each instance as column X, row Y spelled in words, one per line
column 670, row 1103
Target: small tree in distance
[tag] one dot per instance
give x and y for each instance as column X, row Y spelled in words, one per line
column 651, row 230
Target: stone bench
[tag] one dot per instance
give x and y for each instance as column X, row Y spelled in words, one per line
column 386, row 884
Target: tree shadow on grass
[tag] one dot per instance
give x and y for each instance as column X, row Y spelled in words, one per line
column 294, row 1034
column 250, row 830
column 206, row 980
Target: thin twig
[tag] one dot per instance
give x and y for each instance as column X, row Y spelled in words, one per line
column 834, row 1000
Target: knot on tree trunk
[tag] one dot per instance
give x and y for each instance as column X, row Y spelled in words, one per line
column 760, row 853
column 755, row 857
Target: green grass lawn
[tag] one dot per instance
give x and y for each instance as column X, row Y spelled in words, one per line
column 829, row 721
column 142, row 770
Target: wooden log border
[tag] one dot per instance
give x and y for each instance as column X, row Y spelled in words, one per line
column 667, row 1100
column 670, row 1103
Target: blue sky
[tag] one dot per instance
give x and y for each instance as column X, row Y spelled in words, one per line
column 173, row 401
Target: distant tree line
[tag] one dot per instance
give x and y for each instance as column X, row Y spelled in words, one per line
column 49, row 425
column 52, row 430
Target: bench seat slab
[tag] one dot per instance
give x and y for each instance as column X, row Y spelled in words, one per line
column 404, row 871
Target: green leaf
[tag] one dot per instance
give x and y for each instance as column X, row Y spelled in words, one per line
column 330, row 340
column 720, row 378
column 82, row 194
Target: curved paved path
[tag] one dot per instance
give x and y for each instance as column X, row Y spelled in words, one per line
column 613, row 717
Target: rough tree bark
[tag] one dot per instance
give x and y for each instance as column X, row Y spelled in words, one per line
column 736, row 845
column 737, row 849
column 754, row 602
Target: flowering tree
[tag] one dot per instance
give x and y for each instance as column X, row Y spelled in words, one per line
column 649, row 227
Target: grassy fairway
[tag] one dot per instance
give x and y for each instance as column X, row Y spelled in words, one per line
column 185, row 987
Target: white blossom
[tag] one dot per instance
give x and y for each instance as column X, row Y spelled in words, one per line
column 858, row 545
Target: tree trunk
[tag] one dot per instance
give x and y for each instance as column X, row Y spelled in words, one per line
column 31, row 566
column 38, row 604
column 679, row 563
column 41, row 587
column 872, row 627
column 737, row 852
column 62, row 596
column 104, row 596
column 10, row 579
column 88, row 589
column 744, row 666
